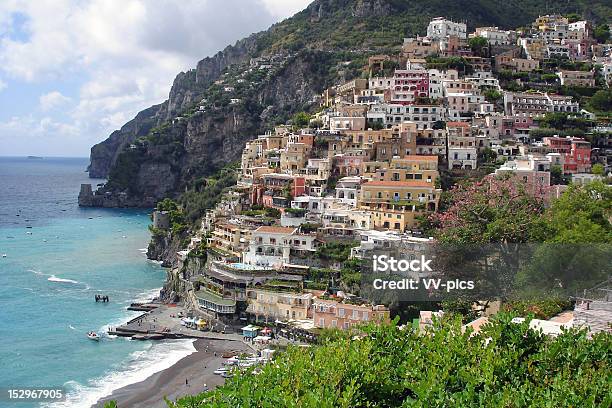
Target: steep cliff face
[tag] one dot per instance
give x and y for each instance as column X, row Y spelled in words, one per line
column 104, row 155
column 194, row 145
column 186, row 89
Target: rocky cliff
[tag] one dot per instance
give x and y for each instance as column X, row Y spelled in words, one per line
column 188, row 147
column 169, row 145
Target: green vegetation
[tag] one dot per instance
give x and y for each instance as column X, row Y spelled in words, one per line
column 298, row 212
column 444, row 63
column 335, row 251
column 515, row 247
column 301, row 120
column 539, row 308
column 562, row 121
column 479, row 46
column 598, row 169
column 601, row 100
column 581, row 215
column 177, row 217
column 341, row 27
column 309, row 227
column 196, row 202
column 505, row 365
column 601, row 33
column 493, row 95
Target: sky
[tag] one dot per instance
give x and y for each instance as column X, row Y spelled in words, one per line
column 72, row 71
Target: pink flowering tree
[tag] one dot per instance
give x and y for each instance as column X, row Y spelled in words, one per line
column 483, row 232
column 493, row 210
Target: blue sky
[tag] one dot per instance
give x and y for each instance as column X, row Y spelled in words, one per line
column 72, row 71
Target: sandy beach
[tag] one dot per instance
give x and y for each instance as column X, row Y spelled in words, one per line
column 196, row 368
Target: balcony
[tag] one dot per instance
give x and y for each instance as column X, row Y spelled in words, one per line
column 213, row 302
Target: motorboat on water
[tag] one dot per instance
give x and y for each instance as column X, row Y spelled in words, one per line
column 93, row 336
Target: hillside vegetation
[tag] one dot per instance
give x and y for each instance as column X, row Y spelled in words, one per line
column 505, row 365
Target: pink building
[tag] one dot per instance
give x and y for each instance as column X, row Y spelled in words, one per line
column 516, row 126
column 334, row 314
column 408, row 84
column 575, row 152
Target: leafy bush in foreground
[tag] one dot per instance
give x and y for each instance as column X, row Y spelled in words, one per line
column 506, row 365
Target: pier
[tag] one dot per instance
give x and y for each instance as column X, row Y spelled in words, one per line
column 161, row 322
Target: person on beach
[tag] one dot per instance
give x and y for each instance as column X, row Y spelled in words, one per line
column 186, row 383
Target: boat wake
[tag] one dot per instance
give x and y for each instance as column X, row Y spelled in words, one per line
column 54, row 278
column 139, row 366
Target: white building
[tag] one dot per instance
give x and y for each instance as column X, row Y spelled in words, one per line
column 440, row 28
column 494, row 35
column 462, row 157
column 424, row 116
column 347, row 190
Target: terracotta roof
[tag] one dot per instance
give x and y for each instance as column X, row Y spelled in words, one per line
column 398, row 184
column 419, row 157
column 457, row 124
column 275, row 230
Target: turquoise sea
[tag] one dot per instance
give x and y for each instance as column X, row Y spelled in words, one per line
column 58, row 256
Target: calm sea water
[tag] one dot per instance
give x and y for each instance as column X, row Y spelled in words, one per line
column 58, row 256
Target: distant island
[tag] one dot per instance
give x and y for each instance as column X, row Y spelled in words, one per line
column 35, row 158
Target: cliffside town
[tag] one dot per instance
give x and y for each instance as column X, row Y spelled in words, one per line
column 365, row 170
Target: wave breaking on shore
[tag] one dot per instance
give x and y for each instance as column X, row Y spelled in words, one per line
column 138, row 367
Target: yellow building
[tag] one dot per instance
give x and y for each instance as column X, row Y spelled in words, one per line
column 229, row 238
column 294, row 157
column 363, row 139
column 267, row 305
column 396, row 204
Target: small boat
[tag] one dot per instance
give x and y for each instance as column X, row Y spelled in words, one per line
column 93, row 336
column 4, row 255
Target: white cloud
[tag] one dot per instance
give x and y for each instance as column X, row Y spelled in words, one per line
column 2, row 85
column 124, row 54
column 52, row 100
column 285, row 8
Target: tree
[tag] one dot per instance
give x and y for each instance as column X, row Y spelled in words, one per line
column 602, row 100
column 490, row 211
column 572, row 17
column 488, row 155
column 601, row 33
column 598, row 169
column 492, row 95
column 576, row 254
column 556, row 174
column 439, row 124
column 479, row 46
column 581, row 215
column 301, row 119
